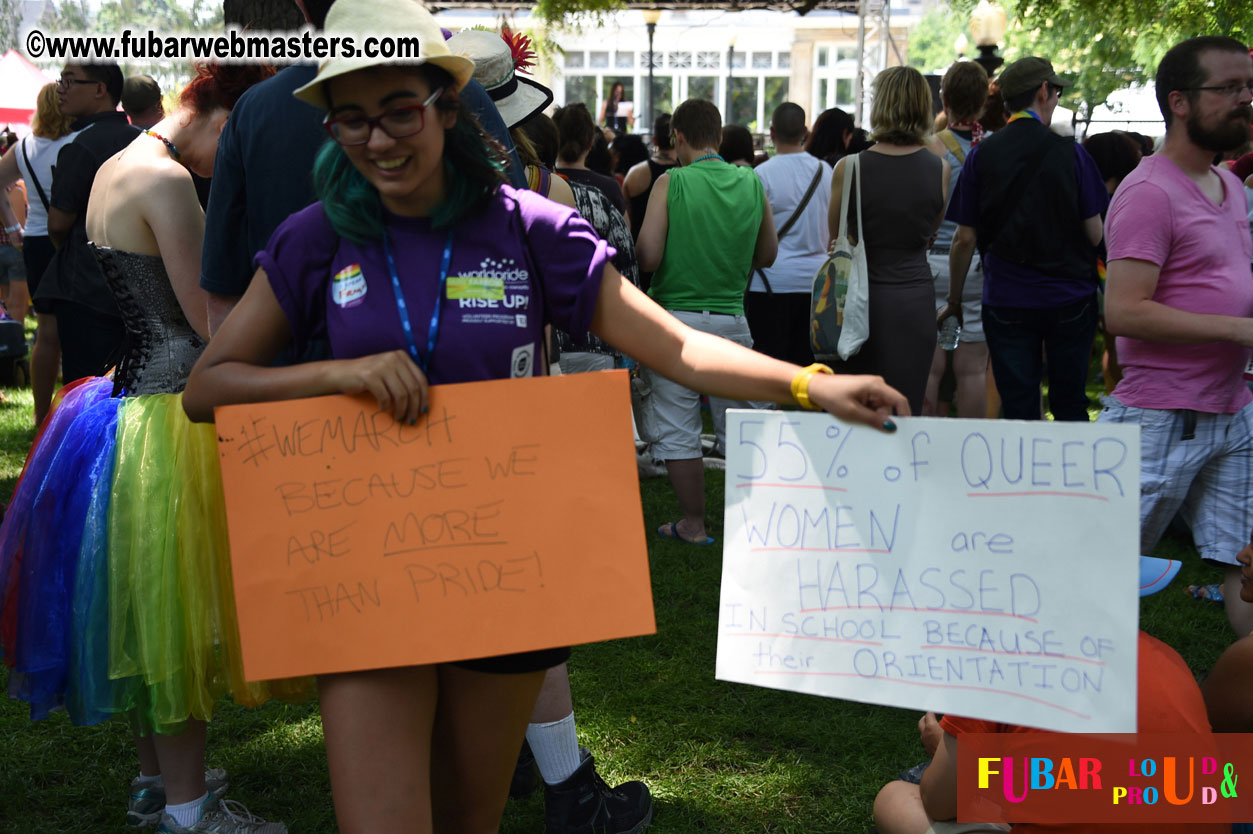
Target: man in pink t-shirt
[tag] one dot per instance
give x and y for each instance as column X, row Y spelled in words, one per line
column 1180, row 297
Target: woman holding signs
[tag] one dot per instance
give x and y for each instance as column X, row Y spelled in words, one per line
column 412, row 200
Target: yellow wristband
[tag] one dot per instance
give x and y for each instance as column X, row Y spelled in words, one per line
column 800, row 384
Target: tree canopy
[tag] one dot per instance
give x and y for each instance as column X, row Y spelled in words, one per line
column 1104, row 45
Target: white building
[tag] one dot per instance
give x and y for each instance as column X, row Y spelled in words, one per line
column 758, row 58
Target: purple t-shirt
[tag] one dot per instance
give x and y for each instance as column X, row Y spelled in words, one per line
column 1161, row 216
column 491, row 323
column 1007, row 284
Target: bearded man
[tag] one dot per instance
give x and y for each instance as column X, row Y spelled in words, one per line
column 1179, row 298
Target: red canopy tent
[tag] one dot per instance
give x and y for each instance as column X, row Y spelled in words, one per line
column 20, row 82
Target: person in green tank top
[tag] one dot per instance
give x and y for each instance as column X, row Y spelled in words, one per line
column 706, row 227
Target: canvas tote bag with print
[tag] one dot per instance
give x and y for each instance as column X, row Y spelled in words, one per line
column 839, row 312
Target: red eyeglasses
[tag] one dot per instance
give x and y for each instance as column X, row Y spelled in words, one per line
column 397, row 123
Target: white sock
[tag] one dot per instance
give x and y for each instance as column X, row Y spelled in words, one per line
column 147, row 781
column 556, row 749
column 188, row 813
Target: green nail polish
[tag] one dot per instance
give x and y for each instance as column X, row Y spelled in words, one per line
column 889, row 426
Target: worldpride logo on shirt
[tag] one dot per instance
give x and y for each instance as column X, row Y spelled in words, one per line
column 493, row 285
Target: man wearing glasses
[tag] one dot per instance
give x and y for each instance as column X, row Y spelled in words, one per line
column 1032, row 201
column 88, row 323
column 1180, row 299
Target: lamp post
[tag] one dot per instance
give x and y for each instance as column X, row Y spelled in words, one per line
column 726, row 118
column 651, row 16
column 987, row 27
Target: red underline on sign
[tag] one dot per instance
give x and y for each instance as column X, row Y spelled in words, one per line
column 1029, row 493
column 917, row 611
column 801, row 637
column 817, row 550
column 791, row 486
column 1015, row 654
column 928, row 684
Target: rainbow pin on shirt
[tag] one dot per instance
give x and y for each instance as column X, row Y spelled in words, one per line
column 348, row 287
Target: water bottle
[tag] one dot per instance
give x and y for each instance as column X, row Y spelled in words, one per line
column 950, row 332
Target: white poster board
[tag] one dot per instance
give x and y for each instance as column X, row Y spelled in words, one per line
column 985, row 568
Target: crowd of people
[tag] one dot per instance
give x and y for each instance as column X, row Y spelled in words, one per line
column 178, row 259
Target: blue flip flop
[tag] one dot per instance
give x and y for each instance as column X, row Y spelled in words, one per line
column 671, row 531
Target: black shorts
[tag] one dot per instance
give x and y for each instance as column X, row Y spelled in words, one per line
column 91, row 341
column 517, row 664
column 37, row 251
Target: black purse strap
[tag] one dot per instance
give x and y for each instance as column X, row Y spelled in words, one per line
column 791, row 221
column 43, row 198
column 546, row 350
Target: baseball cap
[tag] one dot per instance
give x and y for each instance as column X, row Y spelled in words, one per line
column 1027, row 74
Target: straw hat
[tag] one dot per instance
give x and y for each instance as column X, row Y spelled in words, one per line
column 517, row 98
column 394, row 18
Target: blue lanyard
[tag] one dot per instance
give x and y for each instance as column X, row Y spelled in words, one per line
column 432, row 332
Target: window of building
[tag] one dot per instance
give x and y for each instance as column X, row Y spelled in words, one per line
column 599, row 60
column 844, row 92
column 708, row 60
column 574, row 60
column 624, row 60
column 835, row 69
column 680, row 60
column 663, row 101
column 582, row 88
column 702, row 86
column 744, row 102
column 774, row 93
column 785, row 60
column 762, row 60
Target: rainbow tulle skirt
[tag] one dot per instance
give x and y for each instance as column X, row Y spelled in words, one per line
column 115, row 575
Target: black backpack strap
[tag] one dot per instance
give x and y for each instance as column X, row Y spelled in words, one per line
column 791, row 221
column 43, row 198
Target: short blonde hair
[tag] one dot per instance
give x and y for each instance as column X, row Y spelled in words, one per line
column 901, row 112
column 49, row 121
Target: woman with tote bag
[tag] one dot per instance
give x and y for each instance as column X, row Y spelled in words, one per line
column 902, row 188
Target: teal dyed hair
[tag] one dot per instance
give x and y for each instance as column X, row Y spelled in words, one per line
column 350, row 202
column 473, row 166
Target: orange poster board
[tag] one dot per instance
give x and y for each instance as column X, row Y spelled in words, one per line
column 508, row 519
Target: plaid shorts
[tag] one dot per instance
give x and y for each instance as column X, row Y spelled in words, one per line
column 1197, row 464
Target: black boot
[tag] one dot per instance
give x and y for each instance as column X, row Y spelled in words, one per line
column 525, row 774
column 584, row 804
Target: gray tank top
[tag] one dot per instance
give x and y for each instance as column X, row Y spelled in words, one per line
column 900, row 202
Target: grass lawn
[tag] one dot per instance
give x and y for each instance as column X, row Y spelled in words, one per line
column 718, row 757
